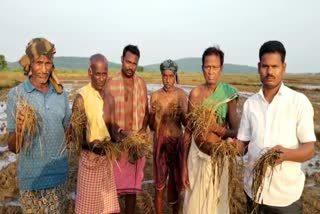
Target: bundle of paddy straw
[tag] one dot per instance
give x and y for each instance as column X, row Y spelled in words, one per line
column 267, row 160
column 28, row 128
column 111, row 150
column 224, row 157
column 174, row 110
column 74, row 134
column 145, row 203
column 201, row 118
column 137, row 146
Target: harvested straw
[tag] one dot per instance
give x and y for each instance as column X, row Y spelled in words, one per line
column 145, row 203
column 224, row 157
column 175, row 110
column 267, row 160
column 201, row 118
column 4, row 138
column 112, row 151
column 137, row 146
column 9, row 182
column 28, row 129
column 75, row 133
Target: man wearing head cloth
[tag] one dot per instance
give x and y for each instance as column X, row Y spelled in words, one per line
column 96, row 188
column 42, row 168
column 167, row 115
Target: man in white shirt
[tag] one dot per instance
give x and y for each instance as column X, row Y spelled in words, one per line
column 280, row 118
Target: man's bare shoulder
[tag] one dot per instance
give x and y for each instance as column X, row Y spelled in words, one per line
column 156, row 93
column 108, row 97
column 180, row 91
column 140, row 79
column 196, row 92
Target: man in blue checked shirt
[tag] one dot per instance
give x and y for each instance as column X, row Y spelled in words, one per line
column 42, row 169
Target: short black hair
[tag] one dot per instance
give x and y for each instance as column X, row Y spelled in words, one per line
column 213, row 51
column 273, row 46
column 132, row 49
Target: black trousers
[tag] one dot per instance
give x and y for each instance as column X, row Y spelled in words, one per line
column 294, row 208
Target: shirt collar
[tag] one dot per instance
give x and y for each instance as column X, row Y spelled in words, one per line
column 29, row 87
column 282, row 91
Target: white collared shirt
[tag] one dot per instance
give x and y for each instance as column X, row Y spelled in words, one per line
column 286, row 121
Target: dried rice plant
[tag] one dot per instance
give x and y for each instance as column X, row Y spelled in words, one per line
column 224, row 153
column 175, row 110
column 28, row 129
column 74, row 134
column 4, row 138
column 200, row 119
column 112, row 150
column 145, row 203
column 203, row 116
column 267, row 160
column 137, row 145
column 9, row 182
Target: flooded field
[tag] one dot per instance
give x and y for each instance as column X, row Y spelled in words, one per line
column 8, row 161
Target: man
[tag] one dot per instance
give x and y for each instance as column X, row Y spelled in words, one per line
column 131, row 115
column 96, row 189
column 280, row 118
column 201, row 194
column 168, row 110
column 42, row 169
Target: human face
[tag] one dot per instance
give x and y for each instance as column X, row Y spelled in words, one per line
column 99, row 74
column 41, row 69
column 212, row 69
column 129, row 64
column 168, row 79
column 271, row 70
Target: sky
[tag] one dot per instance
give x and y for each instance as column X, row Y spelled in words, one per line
column 165, row 29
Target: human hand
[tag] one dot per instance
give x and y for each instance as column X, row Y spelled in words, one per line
column 283, row 153
column 185, row 177
column 217, row 129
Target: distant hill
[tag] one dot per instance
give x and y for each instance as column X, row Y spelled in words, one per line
column 185, row 64
column 194, row 64
column 66, row 62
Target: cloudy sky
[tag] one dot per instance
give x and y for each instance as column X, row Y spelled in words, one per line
column 166, row 28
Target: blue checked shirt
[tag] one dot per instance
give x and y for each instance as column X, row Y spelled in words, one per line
column 44, row 165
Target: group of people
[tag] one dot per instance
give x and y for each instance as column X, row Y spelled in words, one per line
column 276, row 117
